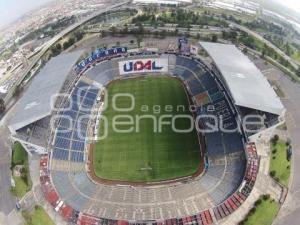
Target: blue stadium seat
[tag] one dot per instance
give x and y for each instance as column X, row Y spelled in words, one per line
column 81, row 126
column 60, row 154
column 77, row 146
column 75, row 106
column 195, row 87
column 62, row 143
column 77, row 156
column 88, row 102
column 67, row 135
column 178, row 71
column 216, row 96
column 233, row 142
column 80, row 91
column 188, row 63
column 79, row 135
column 90, row 95
column 67, row 122
column 208, row 81
column 83, row 118
column 82, row 84
column 69, row 113
column 214, row 144
column 93, row 89
column 76, row 99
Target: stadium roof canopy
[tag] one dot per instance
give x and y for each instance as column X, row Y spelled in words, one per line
column 35, row 104
column 247, row 85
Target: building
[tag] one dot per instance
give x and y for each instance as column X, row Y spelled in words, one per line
column 30, row 124
column 248, row 89
column 163, row 2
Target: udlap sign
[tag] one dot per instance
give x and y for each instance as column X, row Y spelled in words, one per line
column 153, row 65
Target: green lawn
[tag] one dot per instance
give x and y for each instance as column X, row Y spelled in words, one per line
column 146, row 155
column 279, row 162
column 21, row 187
column 296, row 56
column 37, row 217
column 20, row 157
column 264, row 214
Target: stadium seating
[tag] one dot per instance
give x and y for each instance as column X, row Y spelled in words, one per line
column 234, row 201
column 60, row 154
column 208, row 81
column 195, row 87
column 72, row 125
column 187, row 63
column 213, row 196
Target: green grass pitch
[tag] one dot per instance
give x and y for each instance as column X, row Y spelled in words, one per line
column 146, row 155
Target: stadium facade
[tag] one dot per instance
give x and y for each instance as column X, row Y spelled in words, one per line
column 232, row 163
column 247, row 88
column 32, row 113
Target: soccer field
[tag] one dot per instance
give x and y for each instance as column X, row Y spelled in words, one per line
column 145, row 155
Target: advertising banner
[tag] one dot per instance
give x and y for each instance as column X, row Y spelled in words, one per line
column 97, row 55
column 154, row 65
column 194, row 50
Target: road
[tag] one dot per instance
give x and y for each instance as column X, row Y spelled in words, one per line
column 47, row 45
column 292, row 206
column 7, row 201
column 268, row 43
column 259, row 37
column 290, row 211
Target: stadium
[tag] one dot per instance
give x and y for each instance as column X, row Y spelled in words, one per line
column 143, row 177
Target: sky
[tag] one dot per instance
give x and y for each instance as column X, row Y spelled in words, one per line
column 11, row 10
column 292, row 4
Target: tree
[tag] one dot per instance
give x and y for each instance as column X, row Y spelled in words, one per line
column 65, row 45
column 141, row 28
column 233, row 36
column 275, row 139
column 214, row 38
column 263, row 53
column 103, row 34
column 69, row 43
column 125, row 30
column 163, row 34
column 113, row 30
column 273, row 173
column 139, row 40
column 176, row 31
column 298, row 72
column 78, row 35
column 17, row 91
column 2, row 106
column 288, row 49
column 59, row 47
column 56, row 49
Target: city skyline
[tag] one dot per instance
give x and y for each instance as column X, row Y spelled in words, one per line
column 15, row 9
